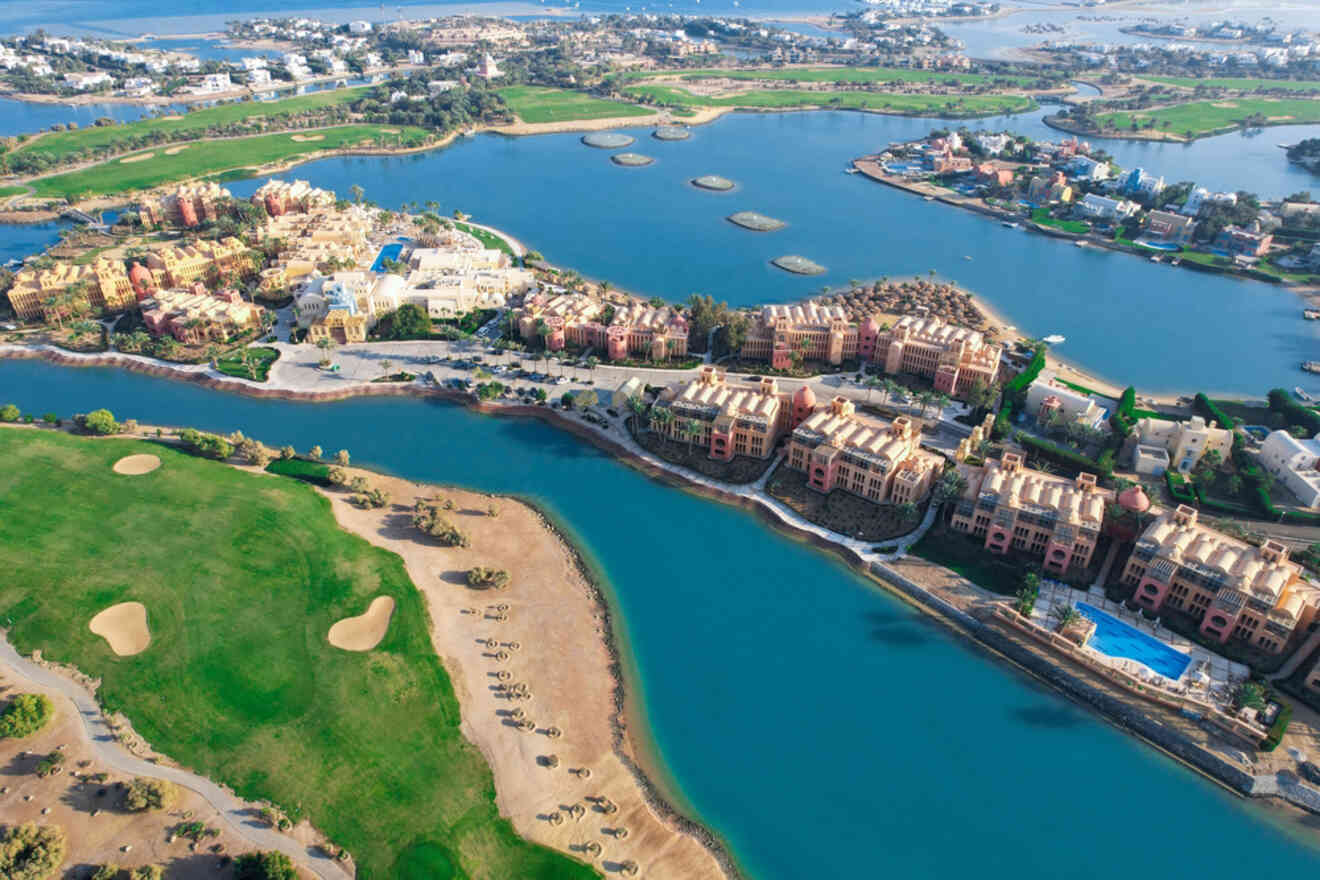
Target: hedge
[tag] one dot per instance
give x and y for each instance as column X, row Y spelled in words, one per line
column 301, row 469
column 1178, row 487
column 1296, row 414
column 1124, row 418
column 1278, row 728
column 1206, row 407
column 1104, row 467
column 1016, row 389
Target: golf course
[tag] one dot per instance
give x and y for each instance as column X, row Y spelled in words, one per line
column 535, row 104
column 882, row 102
column 1202, row 118
column 242, row 575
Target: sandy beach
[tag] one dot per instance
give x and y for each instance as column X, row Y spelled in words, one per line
column 555, row 642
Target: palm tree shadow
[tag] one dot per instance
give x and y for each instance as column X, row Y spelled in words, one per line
column 895, row 630
column 1057, row 717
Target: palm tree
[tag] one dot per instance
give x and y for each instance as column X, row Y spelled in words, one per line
column 691, row 429
column 637, row 407
column 664, row 417
column 872, row 383
column 907, row 512
column 1064, row 616
column 357, row 192
column 385, row 366
column 326, row 345
column 592, row 363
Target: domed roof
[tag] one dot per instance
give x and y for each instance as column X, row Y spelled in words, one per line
column 804, row 397
column 139, row 275
column 1134, row 499
column 872, row 324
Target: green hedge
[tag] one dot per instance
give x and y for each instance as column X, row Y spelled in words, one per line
column 1296, row 414
column 1015, row 391
column 1278, row 728
column 1178, row 487
column 1124, row 418
column 301, row 469
column 1206, row 407
column 1104, row 467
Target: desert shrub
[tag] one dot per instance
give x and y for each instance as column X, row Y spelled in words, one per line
column 146, row 872
column 51, row 764
column 25, row 715
column 206, row 445
column 428, row 520
column 149, row 794
column 264, row 866
column 107, row 872
column 487, row 578
column 31, row 852
column 98, row 421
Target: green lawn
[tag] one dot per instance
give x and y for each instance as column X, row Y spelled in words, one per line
column 854, row 75
column 534, row 104
column 785, row 99
column 489, row 239
column 6, row 191
column 968, row 557
column 260, row 358
column 1204, row 117
column 201, row 158
column 1238, row 83
column 243, row 575
column 61, row 144
column 1042, row 216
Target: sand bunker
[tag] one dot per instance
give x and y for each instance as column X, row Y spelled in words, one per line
column 301, row 138
column 174, row 151
column 124, row 626
column 364, row 632
column 1281, row 118
column 142, row 157
column 136, row 465
column 1226, row 105
column 174, row 116
column 391, row 131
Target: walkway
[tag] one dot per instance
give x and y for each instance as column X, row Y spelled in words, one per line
column 236, row 813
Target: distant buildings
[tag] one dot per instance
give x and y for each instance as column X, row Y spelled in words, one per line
column 807, row 331
column 1138, row 182
column 281, row 197
column 189, row 205
column 724, row 419
column 1171, row 228
column 1013, row 507
column 1044, row 189
column 1295, row 462
column 1235, row 590
column 1239, row 242
column 181, row 265
column 1103, row 208
column 837, row 448
column 620, row 332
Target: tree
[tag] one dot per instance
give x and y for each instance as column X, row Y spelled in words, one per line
column 25, row 715
column 950, row 486
column 410, row 321
column 315, row 453
column 487, row 578
column 385, row 366
column 99, row 421
column 149, row 794
column 341, row 458
column 907, row 512
column 357, row 192
column 1028, row 593
column 326, row 344
column 584, row 400
column 33, row 852
column 10, row 413
column 264, row 866
column 1064, row 616
column 146, row 872
column 1249, row 695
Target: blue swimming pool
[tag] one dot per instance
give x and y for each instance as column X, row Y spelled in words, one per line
column 1158, row 245
column 1116, row 639
column 389, row 252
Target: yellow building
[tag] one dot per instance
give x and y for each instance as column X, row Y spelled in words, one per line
column 104, row 285
column 179, row 266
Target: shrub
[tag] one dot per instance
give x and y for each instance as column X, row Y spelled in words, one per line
column 373, row 499
column 1124, row 419
column 301, row 469
column 25, row 715
column 9, row 413
column 264, row 866
column 1283, row 403
column 31, row 852
column 1278, row 728
column 149, row 794
column 107, row 872
column 51, row 419
column 487, row 578
column 146, row 872
column 51, row 764
column 1206, row 407
column 427, row 518
column 1103, row 467
column 1015, row 391
column 336, row 476
column 98, row 421
column 1178, row 487
column 206, row 445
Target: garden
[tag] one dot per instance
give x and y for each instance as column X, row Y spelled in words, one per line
column 841, row 511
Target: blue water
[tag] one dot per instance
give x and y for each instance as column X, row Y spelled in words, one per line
column 821, row 726
column 388, row 252
column 24, row 117
column 1117, row 639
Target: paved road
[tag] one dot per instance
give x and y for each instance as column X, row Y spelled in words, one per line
column 237, row 815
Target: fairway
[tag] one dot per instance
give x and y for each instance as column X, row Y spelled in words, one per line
column 208, row 157
column 61, row 145
column 1241, row 84
column 788, row 99
column 853, row 75
column 1212, row 117
column 534, row 104
column 242, row 576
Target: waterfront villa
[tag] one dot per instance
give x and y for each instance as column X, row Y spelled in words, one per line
column 1158, row 444
column 954, row 358
column 724, row 419
column 197, row 315
column 1013, row 507
column 1295, row 462
column 881, row 462
column 582, row 321
column 1233, row 589
column 1096, row 207
column 1051, row 402
column 104, row 285
column 189, row 205
column 1238, row 242
column 1169, row 227
column 1045, row 189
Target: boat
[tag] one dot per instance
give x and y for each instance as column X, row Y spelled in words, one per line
column 1012, row 225
column 1175, row 262
column 1311, row 366
column 1053, row 339
column 929, row 198
column 13, row 264
column 1308, row 314
column 1157, row 259
column 967, row 257
column 850, row 171
column 1079, row 243
column 1302, row 395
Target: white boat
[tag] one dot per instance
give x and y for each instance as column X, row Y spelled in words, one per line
column 1053, row 339
column 1012, row 225
column 929, row 198
column 1302, row 395
column 850, row 171
column 1079, row 243
column 1157, row 259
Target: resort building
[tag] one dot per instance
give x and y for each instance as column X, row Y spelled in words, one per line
column 196, row 315
column 1013, row 507
column 721, row 418
column 104, row 285
column 631, row 387
column 1168, row 227
column 1181, row 443
column 190, row 205
column 1051, row 402
column 179, row 266
column 1235, row 590
column 1295, row 463
column 363, row 297
column 808, row 330
column 582, row 321
column 954, row 358
column 281, row 197
column 883, row 462
column 320, row 239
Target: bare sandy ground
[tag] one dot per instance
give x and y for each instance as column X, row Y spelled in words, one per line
column 136, row 465
column 98, row 829
column 124, row 626
column 174, row 151
column 141, row 157
column 553, row 643
column 390, row 130
column 364, row 632
column 172, row 116
column 301, row 138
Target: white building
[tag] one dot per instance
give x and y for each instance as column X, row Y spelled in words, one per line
column 86, row 81
column 992, row 144
column 212, row 83
column 359, row 27
column 1293, row 461
column 416, row 57
column 1183, row 442
column 1096, row 207
column 1047, row 396
column 1086, row 168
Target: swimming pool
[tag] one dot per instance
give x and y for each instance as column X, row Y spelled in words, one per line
column 1158, row 245
column 389, row 252
column 1115, row 638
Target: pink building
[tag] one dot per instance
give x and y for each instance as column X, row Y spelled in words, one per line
column 1013, row 507
column 954, row 358
column 725, row 419
column 809, row 331
column 884, row 463
column 581, row 321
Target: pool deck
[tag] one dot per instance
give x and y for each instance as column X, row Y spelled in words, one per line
column 1222, row 674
